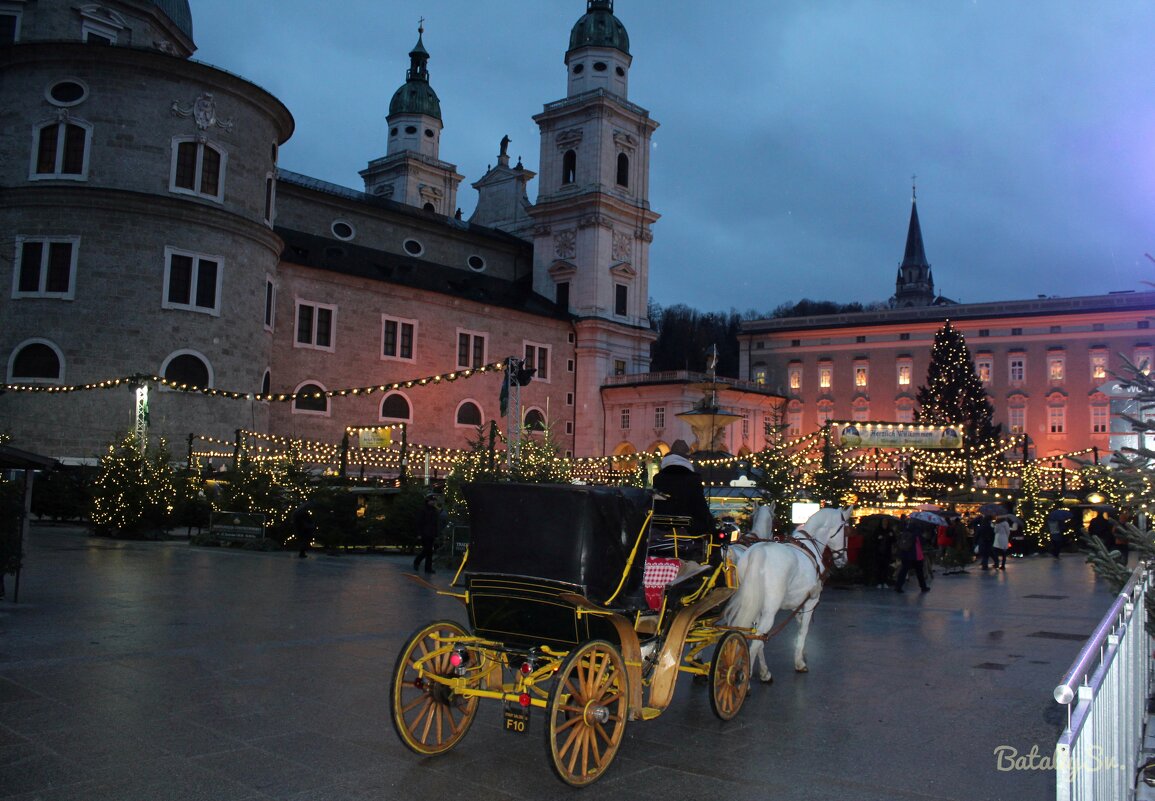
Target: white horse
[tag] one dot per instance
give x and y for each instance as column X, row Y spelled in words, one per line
column 762, row 525
column 786, row 575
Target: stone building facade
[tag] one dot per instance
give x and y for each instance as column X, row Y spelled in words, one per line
column 147, row 229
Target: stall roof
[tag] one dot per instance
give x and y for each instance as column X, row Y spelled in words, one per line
column 16, row 459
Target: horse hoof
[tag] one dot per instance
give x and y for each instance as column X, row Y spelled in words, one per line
column 768, row 680
column 802, row 669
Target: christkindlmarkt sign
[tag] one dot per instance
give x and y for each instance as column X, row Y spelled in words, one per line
column 895, row 435
column 375, row 437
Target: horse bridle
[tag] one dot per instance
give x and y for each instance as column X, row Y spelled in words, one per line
column 819, row 556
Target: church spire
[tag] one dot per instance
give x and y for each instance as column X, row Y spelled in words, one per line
column 914, row 285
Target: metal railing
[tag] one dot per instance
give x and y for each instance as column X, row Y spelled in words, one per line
column 1105, row 691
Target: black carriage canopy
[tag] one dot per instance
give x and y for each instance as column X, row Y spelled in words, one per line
column 575, row 534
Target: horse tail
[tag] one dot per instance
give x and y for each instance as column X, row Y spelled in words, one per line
column 745, row 606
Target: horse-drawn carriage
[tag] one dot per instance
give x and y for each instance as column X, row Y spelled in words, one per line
column 554, row 586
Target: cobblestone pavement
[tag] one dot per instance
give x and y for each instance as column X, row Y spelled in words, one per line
column 160, row 671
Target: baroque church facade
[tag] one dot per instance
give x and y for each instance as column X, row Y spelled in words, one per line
column 147, row 229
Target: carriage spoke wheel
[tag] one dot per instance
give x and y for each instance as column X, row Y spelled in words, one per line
column 587, row 713
column 729, row 675
column 429, row 717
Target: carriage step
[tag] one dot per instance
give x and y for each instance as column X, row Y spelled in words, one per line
column 649, row 713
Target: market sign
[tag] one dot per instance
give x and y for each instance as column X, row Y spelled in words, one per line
column 375, row 437
column 896, row 435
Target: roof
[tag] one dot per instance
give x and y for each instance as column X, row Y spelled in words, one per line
column 179, row 12
column 322, row 253
column 16, row 459
column 598, row 27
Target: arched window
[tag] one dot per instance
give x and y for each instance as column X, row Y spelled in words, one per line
column 623, row 170
column 36, row 361
column 187, row 368
column 62, row 150
column 311, row 399
column 569, row 167
column 534, row 420
column 468, row 414
column 395, row 407
column 267, row 383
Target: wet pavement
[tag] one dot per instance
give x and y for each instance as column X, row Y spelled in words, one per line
column 164, row 672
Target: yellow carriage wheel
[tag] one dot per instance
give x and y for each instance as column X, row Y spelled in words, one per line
column 587, row 713
column 729, row 675
column 428, row 716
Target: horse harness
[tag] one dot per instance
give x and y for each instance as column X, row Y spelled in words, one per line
column 821, row 557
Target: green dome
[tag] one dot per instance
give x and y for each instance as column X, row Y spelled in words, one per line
column 179, row 12
column 598, row 27
column 416, row 96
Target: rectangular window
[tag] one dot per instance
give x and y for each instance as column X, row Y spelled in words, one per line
column 904, row 370
column 619, row 367
column 825, row 375
column 197, row 169
column 659, row 417
column 61, row 151
column 537, row 357
column 1017, row 419
column 315, row 325
column 861, row 375
column 1016, row 332
column 794, row 423
column 270, row 198
column 904, row 414
column 796, row 343
column 984, row 332
column 1142, row 360
column 1098, row 365
column 563, row 294
column 624, row 419
column 192, row 281
column 470, row 349
column 270, row 303
column 794, row 372
column 905, row 335
column 569, row 399
column 746, row 425
column 397, row 338
column 1100, row 416
column 1056, row 364
column 1057, row 419
column 1017, row 369
column 621, row 300
column 860, row 339
column 569, row 365
column 983, row 366
column 45, row 268
column 9, row 28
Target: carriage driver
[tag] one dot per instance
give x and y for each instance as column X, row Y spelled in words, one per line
column 685, row 497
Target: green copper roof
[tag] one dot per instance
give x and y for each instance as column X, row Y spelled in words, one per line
column 179, row 12
column 416, row 96
column 598, row 27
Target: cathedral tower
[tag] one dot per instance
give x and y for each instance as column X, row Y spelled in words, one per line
column 411, row 172
column 592, row 218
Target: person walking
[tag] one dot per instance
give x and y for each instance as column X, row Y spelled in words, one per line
column 1001, row 542
column 304, row 527
column 910, row 551
column 883, row 553
column 984, row 541
column 428, row 527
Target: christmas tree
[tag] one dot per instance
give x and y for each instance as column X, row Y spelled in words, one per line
column 953, row 395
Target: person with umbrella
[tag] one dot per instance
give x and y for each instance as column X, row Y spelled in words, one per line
column 1002, row 541
column 984, row 540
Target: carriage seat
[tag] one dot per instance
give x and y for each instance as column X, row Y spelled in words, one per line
column 672, row 579
column 670, row 537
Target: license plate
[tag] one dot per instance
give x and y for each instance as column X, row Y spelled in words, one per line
column 516, row 718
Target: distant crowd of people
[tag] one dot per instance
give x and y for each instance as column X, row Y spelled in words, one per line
column 914, row 545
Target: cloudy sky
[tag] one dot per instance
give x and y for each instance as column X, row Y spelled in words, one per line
column 790, row 129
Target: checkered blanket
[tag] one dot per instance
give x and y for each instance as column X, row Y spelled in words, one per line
column 659, row 572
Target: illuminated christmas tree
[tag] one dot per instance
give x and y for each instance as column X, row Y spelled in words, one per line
column 953, row 395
